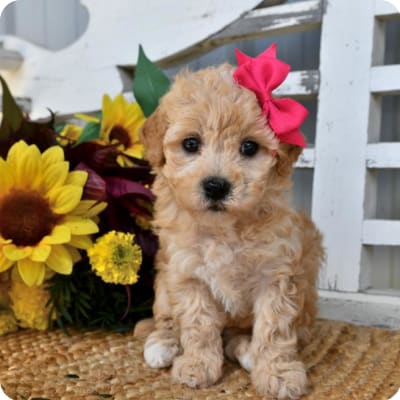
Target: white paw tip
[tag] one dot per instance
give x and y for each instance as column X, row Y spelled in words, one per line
column 246, row 362
column 159, row 356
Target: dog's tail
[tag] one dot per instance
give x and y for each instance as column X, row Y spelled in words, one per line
column 143, row 328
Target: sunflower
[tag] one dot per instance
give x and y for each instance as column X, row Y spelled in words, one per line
column 116, row 258
column 43, row 220
column 120, row 124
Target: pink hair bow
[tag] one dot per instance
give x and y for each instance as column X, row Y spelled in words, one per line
column 262, row 75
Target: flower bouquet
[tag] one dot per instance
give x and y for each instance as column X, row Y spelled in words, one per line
column 76, row 245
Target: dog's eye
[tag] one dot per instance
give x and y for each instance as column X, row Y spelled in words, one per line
column 248, row 148
column 191, row 144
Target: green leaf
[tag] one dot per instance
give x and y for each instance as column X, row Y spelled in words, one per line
column 15, row 126
column 149, row 84
column 91, row 131
column 12, row 114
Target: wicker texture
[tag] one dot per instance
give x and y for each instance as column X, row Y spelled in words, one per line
column 344, row 361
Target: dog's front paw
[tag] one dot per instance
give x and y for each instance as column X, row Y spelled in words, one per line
column 197, row 371
column 282, row 381
column 160, row 349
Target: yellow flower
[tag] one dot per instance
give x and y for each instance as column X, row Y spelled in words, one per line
column 4, row 288
column 30, row 305
column 43, row 220
column 7, row 322
column 115, row 258
column 120, row 125
column 70, row 133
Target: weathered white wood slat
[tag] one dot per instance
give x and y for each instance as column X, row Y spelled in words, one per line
column 381, row 232
column 306, row 159
column 360, row 308
column 383, row 155
column 385, row 79
column 10, row 59
column 300, row 84
column 292, row 17
column 340, row 145
column 384, row 9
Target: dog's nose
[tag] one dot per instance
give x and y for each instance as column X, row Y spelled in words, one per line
column 216, row 188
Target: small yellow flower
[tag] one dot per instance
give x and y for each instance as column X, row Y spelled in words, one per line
column 7, row 322
column 29, row 304
column 116, row 258
column 70, row 133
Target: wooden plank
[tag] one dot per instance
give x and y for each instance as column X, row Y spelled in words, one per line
column 383, row 155
column 306, row 159
column 361, row 308
column 381, row 232
column 300, row 84
column 386, row 10
column 342, row 136
column 292, row 17
column 10, row 59
column 385, row 79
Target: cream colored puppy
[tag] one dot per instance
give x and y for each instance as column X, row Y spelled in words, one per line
column 233, row 254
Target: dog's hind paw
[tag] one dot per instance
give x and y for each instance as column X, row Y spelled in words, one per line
column 238, row 349
column 159, row 352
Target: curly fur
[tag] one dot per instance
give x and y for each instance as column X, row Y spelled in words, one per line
column 248, row 271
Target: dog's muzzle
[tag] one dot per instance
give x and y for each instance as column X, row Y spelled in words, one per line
column 216, row 188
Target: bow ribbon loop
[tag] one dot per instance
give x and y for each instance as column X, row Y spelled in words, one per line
column 262, row 75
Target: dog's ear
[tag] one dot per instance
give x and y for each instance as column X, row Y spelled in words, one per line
column 152, row 135
column 286, row 155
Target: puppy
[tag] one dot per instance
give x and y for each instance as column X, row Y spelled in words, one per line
column 234, row 257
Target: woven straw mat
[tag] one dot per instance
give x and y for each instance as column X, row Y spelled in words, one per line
column 344, row 362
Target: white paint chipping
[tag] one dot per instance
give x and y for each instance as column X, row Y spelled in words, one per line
column 298, row 84
column 300, row 7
